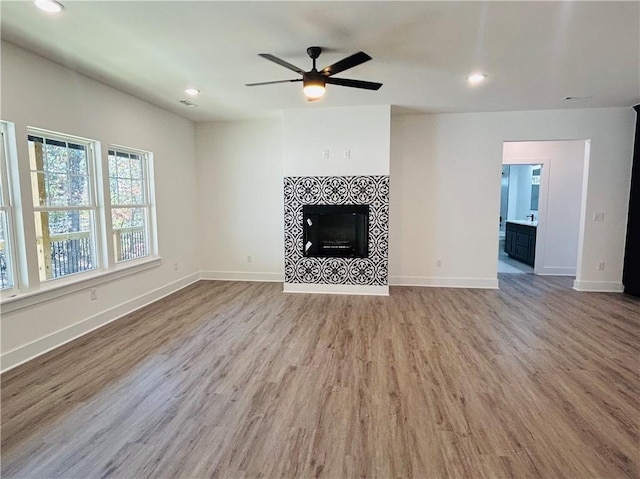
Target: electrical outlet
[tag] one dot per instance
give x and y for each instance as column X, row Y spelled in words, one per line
column 347, row 154
column 175, row 266
column 249, row 259
column 598, row 216
column 93, row 294
column 439, row 263
column 325, row 154
column 601, row 266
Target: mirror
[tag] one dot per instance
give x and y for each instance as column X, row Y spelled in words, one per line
column 535, row 186
column 520, row 192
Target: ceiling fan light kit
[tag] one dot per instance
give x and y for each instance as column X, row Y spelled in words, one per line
column 313, row 88
column 314, row 81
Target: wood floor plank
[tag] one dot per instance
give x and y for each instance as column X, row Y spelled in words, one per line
column 228, row 379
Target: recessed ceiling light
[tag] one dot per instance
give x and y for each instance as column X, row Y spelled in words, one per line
column 49, row 6
column 188, row 103
column 192, row 91
column 476, row 78
column 576, row 98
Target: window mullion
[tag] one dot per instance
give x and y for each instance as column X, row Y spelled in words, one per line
column 131, row 205
column 64, row 208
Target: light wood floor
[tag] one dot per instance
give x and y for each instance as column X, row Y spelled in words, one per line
column 226, row 379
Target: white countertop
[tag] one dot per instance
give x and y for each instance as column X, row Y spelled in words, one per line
column 524, row 222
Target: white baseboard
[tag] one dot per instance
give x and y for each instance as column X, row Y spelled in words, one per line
column 33, row 349
column 599, row 286
column 336, row 289
column 556, row 271
column 481, row 283
column 241, row 276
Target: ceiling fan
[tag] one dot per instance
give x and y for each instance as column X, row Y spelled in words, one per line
column 314, row 81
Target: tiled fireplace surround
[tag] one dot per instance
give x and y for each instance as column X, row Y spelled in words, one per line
column 337, row 275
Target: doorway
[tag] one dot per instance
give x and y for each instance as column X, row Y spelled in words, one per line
column 554, row 173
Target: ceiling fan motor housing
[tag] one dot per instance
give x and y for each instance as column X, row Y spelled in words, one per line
column 314, row 77
column 314, row 52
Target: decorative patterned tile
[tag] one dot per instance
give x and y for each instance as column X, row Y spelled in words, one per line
column 337, row 190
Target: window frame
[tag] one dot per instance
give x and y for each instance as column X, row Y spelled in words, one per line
column 148, row 205
column 93, row 205
column 7, row 206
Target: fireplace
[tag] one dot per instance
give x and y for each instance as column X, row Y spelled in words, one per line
column 354, row 259
column 335, row 231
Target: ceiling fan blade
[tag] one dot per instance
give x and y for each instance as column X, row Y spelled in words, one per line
column 367, row 85
column 272, row 82
column 281, row 62
column 346, row 63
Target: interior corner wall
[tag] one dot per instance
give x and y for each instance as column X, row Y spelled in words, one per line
column 39, row 93
column 445, row 192
column 240, row 199
column 241, row 166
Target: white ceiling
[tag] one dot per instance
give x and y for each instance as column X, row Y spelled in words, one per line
column 535, row 53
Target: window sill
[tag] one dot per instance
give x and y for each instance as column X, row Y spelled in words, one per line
column 63, row 287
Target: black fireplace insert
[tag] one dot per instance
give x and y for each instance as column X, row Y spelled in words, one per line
column 332, row 231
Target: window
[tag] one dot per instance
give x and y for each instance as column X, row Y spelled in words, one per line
column 91, row 213
column 130, row 205
column 7, row 270
column 62, row 185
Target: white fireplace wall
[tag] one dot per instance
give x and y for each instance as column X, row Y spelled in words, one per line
column 311, row 134
column 342, row 154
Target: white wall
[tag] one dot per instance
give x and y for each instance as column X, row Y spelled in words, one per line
column 445, row 192
column 364, row 131
column 445, row 187
column 560, row 218
column 240, row 198
column 39, row 93
column 444, row 202
column 241, row 166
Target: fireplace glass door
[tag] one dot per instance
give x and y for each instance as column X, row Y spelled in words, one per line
column 336, row 231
